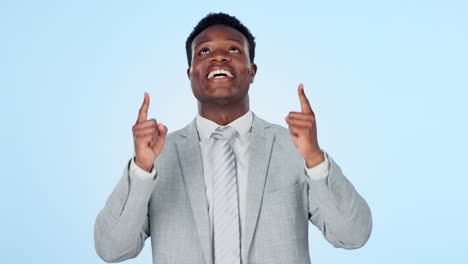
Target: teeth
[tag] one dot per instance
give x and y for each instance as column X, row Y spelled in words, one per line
column 213, row 73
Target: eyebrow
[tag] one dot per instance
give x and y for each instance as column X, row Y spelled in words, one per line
column 203, row 41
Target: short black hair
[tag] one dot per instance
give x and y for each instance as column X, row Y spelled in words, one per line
column 220, row 19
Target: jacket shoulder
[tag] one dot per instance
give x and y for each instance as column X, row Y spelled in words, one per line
column 278, row 130
column 275, row 129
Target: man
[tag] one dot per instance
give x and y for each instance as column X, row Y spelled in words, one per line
column 229, row 187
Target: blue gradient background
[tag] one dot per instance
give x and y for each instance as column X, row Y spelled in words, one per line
column 387, row 80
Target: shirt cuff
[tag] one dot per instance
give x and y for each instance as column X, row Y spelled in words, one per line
column 141, row 173
column 319, row 171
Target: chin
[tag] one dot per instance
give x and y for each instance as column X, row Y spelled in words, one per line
column 221, row 91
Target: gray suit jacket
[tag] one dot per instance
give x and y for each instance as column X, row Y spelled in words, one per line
column 281, row 199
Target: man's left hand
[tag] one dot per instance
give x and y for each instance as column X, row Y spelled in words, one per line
column 303, row 131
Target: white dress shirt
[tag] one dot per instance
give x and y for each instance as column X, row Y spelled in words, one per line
column 242, row 125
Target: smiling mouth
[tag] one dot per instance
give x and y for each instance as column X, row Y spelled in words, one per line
column 218, row 74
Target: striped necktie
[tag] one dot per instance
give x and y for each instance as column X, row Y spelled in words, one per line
column 226, row 226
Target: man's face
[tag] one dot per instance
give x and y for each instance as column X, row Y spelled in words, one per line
column 221, row 71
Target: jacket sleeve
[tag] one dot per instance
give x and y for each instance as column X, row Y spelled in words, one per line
column 122, row 226
column 337, row 209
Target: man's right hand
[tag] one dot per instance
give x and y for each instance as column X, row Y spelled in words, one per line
column 148, row 137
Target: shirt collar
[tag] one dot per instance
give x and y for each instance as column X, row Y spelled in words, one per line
column 206, row 127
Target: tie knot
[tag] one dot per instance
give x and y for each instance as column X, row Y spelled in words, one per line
column 227, row 133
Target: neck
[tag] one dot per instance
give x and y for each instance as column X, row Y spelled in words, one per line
column 223, row 114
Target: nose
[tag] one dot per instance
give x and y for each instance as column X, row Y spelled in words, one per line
column 220, row 56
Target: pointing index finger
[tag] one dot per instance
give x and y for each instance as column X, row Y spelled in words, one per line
column 305, row 105
column 143, row 113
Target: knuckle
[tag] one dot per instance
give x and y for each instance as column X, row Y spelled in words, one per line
column 144, row 138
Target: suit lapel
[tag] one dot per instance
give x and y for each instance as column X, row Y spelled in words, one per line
column 260, row 148
column 188, row 150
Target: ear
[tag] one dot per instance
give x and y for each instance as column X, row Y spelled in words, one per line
column 188, row 73
column 253, row 71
